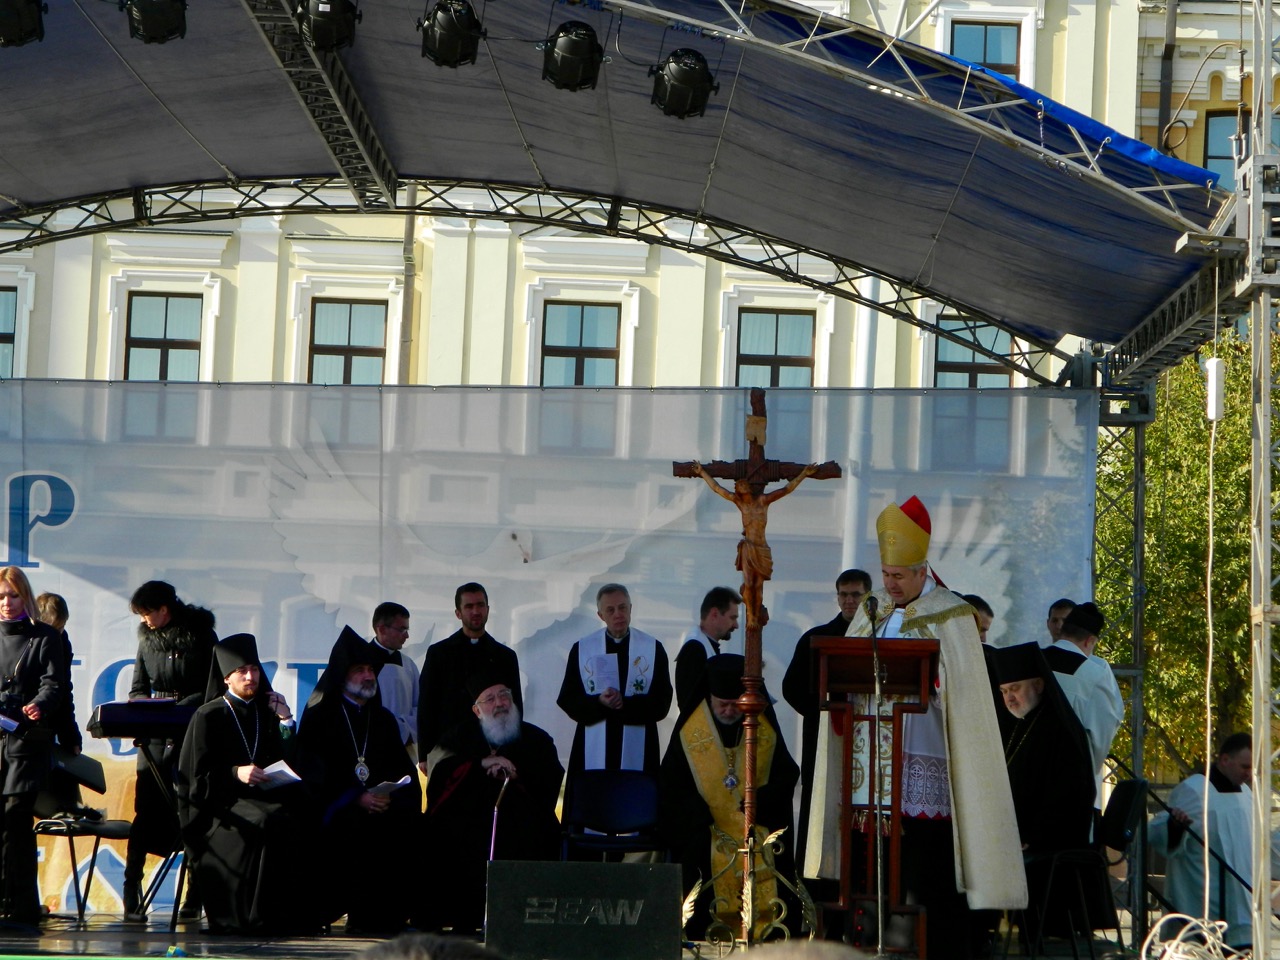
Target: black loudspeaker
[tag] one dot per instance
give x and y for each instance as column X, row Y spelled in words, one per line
column 583, row 911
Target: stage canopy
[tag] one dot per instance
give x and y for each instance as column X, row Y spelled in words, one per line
column 826, row 153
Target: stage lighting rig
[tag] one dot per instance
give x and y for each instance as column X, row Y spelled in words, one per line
column 571, row 57
column 156, row 21
column 682, row 83
column 451, row 33
column 328, row 24
column 21, row 21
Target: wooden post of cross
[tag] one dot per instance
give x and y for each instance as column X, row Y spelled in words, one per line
column 750, row 476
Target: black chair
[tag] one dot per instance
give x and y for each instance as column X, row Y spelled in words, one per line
column 1081, row 878
column 72, row 827
column 611, row 811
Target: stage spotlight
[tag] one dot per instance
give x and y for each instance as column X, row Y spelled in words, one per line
column 682, row 83
column 156, row 21
column 451, row 33
column 328, row 24
column 572, row 56
column 21, row 21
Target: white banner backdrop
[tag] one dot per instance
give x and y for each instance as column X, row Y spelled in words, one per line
column 291, row 510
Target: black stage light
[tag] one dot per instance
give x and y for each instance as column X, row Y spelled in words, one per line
column 21, row 21
column 682, row 84
column 156, row 21
column 572, row 56
column 328, row 24
column 451, row 33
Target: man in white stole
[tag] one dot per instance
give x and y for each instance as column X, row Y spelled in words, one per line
column 956, row 804
column 1230, row 836
column 616, row 687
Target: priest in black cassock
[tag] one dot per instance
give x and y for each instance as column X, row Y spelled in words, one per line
column 350, row 753
column 498, row 762
column 700, row 808
column 1050, row 775
column 252, row 840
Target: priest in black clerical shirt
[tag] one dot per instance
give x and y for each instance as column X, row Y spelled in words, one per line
column 351, row 755
column 252, row 841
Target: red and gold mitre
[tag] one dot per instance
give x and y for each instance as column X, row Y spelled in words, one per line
column 903, row 532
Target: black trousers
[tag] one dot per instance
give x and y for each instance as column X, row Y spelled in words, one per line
column 18, row 882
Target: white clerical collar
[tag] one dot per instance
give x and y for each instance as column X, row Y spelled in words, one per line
column 378, row 643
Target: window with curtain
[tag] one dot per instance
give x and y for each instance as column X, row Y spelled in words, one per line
column 970, row 431
column 348, row 341
column 775, row 348
column 580, row 344
column 8, row 329
column 162, row 341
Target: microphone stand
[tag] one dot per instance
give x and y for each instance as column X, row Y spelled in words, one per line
column 877, row 807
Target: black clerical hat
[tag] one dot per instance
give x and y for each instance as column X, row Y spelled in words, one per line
column 233, row 652
column 1020, row 662
column 1086, row 617
column 724, row 675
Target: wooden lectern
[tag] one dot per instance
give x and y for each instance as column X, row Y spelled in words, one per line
column 844, row 670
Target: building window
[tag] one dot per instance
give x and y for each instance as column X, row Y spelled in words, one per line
column 970, row 431
column 1222, row 146
column 8, row 329
column 163, row 339
column 580, row 344
column 990, row 45
column 775, row 348
column 956, row 365
column 348, row 341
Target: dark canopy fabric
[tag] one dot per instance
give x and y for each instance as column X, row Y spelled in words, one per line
column 890, row 157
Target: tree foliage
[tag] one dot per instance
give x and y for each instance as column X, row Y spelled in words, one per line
column 1177, row 538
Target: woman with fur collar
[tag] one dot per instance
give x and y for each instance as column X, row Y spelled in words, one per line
column 175, row 652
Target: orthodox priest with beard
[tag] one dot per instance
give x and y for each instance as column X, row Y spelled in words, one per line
column 495, row 761
column 700, row 807
column 175, row 652
column 350, row 752
column 1051, row 776
column 253, row 840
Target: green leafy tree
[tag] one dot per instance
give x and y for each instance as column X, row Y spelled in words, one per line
column 1177, row 556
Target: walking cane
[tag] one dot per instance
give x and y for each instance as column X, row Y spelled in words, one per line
column 493, row 837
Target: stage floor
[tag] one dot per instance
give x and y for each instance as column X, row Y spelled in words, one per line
column 108, row 936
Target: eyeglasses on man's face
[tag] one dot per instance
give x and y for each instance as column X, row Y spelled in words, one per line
column 496, row 696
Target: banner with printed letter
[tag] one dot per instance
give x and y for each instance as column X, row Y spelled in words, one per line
column 291, row 510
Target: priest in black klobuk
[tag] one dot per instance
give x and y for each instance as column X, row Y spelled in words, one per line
column 1050, row 775
column 252, row 841
column 351, row 754
column 700, row 796
column 495, row 761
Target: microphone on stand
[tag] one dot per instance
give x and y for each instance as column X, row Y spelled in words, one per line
column 877, row 802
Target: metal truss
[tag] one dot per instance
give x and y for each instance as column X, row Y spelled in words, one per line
column 1257, row 187
column 1122, row 442
column 584, row 213
column 1180, row 325
column 326, row 92
column 936, row 82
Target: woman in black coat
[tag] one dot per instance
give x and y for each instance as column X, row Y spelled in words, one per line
column 30, row 665
column 175, row 652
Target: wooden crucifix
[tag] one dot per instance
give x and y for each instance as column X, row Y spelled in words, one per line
column 755, row 560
